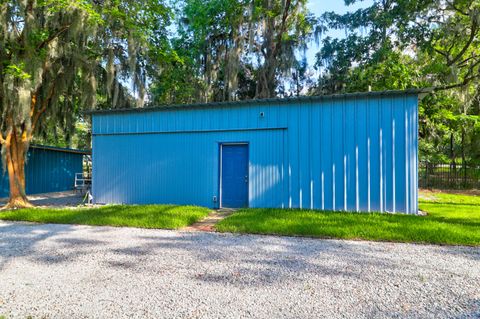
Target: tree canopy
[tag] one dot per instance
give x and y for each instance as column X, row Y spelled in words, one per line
column 396, row 44
column 61, row 57
column 234, row 49
column 58, row 57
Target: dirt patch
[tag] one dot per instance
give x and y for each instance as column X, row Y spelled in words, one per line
column 431, row 192
column 208, row 223
column 54, row 200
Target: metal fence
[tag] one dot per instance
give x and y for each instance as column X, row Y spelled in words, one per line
column 448, row 176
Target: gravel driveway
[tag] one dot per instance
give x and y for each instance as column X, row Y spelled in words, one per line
column 62, row 271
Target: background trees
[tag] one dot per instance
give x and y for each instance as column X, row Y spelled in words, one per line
column 395, row 44
column 242, row 49
column 60, row 57
column 235, row 49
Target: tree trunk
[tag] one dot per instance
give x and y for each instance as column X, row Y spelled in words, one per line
column 15, row 161
column 273, row 46
column 266, row 80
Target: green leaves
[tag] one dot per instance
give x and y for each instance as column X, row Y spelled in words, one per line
column 58, row 6
column 17, row 71
column 400, row 44
column 54, row 55
column 228, row 46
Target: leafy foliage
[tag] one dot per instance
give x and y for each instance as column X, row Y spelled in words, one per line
column 58, row 56
column 396, row 44
column 234, row 49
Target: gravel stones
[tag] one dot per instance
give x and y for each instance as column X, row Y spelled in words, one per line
column 59, row 271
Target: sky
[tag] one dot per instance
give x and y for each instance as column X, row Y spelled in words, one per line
column 318, row 7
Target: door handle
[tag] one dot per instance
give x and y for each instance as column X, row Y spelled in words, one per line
column 246, row 178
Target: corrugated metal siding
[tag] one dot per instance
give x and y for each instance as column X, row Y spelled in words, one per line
column 182, row 168
column 355, row 154
column 47, row 171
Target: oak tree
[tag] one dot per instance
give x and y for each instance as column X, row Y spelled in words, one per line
column 56, row 56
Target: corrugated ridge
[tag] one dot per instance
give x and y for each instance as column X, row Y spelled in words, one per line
column 301, row 99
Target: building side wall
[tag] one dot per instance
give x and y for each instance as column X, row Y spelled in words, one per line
column 339, row 154
column 183, row 168
column 47, row 171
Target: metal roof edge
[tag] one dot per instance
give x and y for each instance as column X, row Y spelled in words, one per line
column 420, row 92
column 60, row 149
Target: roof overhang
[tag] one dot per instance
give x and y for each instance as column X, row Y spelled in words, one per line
column 60, row 149
column 421, row 93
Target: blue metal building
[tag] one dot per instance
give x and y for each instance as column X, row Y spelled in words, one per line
column 48, row 169
column 351, row 152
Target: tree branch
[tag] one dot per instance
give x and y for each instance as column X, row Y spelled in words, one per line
column 445, row 55
column 456, row 85
column 14, row 26
column 283, row 27
column 53, row 36
column 454, row 7
column 463, row 63
column 467, row 45
column 38, row 113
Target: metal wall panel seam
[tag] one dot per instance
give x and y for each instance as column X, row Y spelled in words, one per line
column 321, row 167
column 407, row 171
column 355, row 129
column 194, row 131
column 310, row 154
column 393, row 161
column 344, row 147
column 298, row 162
column 367, row 128
column 381, row 157
column 332, row 158
column 415, row 161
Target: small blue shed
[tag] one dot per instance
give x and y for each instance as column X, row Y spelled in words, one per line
column 350, row 152
column 48, row 169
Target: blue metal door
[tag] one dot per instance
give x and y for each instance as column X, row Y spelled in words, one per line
column 234, row 175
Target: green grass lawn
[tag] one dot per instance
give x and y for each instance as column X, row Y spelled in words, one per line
column 149, row 216
column 452, row 219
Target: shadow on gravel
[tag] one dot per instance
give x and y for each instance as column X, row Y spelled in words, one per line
column 407, row 312
column 19, row 240
column 245, row 260
column 256, row 260
column 263, row 260
column 464, row 252
column 56, row 199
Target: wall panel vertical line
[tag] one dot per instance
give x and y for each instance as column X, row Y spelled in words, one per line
column 353, row 153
